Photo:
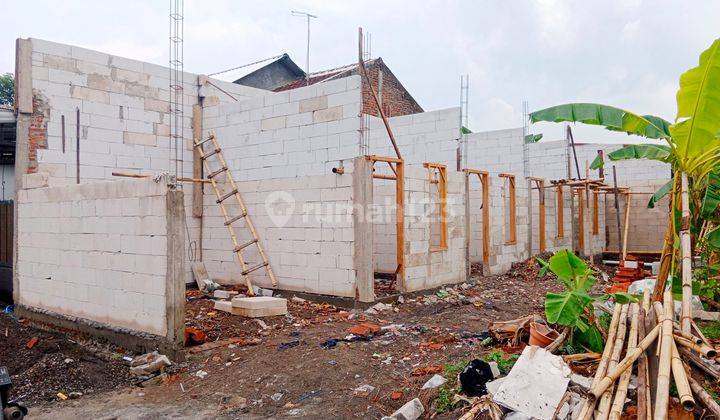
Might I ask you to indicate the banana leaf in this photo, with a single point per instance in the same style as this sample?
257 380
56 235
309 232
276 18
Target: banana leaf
565 308
698 101
659 194
612 118
713 238
636 151
590 339
711 200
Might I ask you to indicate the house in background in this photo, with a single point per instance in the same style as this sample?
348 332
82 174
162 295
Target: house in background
7 153
284 74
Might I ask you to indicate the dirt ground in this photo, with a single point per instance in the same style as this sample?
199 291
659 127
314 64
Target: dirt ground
288 374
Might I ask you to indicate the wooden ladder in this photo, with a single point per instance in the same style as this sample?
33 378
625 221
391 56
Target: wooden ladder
229 220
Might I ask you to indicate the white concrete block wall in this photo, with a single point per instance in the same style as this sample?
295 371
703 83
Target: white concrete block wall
310 249
426 137
96 251
384 224
302 132
499 152
425 269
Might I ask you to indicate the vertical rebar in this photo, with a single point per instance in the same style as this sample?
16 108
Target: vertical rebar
176 85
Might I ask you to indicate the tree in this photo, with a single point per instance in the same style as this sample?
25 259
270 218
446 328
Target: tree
7 89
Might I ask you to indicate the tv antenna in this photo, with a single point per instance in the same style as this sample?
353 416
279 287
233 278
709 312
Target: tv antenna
307 55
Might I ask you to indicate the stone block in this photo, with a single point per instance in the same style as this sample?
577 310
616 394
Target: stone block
314 104
273 123
36 180
329 114
224 294
140 138
259 306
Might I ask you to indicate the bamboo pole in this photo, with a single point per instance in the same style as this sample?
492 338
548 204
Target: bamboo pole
625 226
643 390
676 331
681 380
700 334
686 311
667 250
558 341
706 351
705 399
603 409
630 358
619 401
662 397
700 364
588 407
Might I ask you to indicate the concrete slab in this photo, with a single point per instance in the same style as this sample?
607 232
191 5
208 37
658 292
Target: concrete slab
259 306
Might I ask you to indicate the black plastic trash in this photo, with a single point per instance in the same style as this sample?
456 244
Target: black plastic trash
329 343
474 377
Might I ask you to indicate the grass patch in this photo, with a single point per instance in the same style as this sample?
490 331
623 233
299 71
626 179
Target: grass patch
710 329
504 362
446 393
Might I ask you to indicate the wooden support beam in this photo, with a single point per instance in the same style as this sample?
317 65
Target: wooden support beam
197 191
596 214
581 221
441 171
560 212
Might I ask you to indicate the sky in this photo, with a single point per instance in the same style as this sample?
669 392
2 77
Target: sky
626 53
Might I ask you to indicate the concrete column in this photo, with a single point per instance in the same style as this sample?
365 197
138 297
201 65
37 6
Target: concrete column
363 244
23 101
175 275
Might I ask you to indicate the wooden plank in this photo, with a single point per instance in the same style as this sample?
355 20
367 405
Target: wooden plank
560 212
581 221
596 214
198 189
512 211
400 223
486 220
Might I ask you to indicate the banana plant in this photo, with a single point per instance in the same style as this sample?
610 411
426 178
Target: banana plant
692 142
573 306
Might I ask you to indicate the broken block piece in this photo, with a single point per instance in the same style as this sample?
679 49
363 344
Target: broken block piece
224 294
259 306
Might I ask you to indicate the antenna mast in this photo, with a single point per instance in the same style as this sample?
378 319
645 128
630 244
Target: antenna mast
307 55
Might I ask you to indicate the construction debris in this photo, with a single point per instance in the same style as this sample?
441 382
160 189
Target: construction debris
536 384
412 410
149 363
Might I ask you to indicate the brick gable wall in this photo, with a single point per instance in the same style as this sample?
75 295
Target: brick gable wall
395 100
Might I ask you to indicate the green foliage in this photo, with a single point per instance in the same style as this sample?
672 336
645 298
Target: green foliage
452 370
7 87
660 193
711 200
504 361
465 130
636 151
612 118
698 102
567 308
444 400
590 339
710 329
533 138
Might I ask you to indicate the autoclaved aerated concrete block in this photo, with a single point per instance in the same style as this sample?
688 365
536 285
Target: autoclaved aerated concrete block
259 306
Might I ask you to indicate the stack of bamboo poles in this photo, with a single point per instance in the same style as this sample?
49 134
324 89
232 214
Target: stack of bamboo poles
608 391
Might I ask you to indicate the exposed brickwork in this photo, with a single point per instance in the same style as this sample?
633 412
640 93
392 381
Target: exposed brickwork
37 133
396 100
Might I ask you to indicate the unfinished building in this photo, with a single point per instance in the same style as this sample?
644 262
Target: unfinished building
327 206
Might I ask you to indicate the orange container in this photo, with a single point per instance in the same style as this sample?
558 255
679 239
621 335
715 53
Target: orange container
541 335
